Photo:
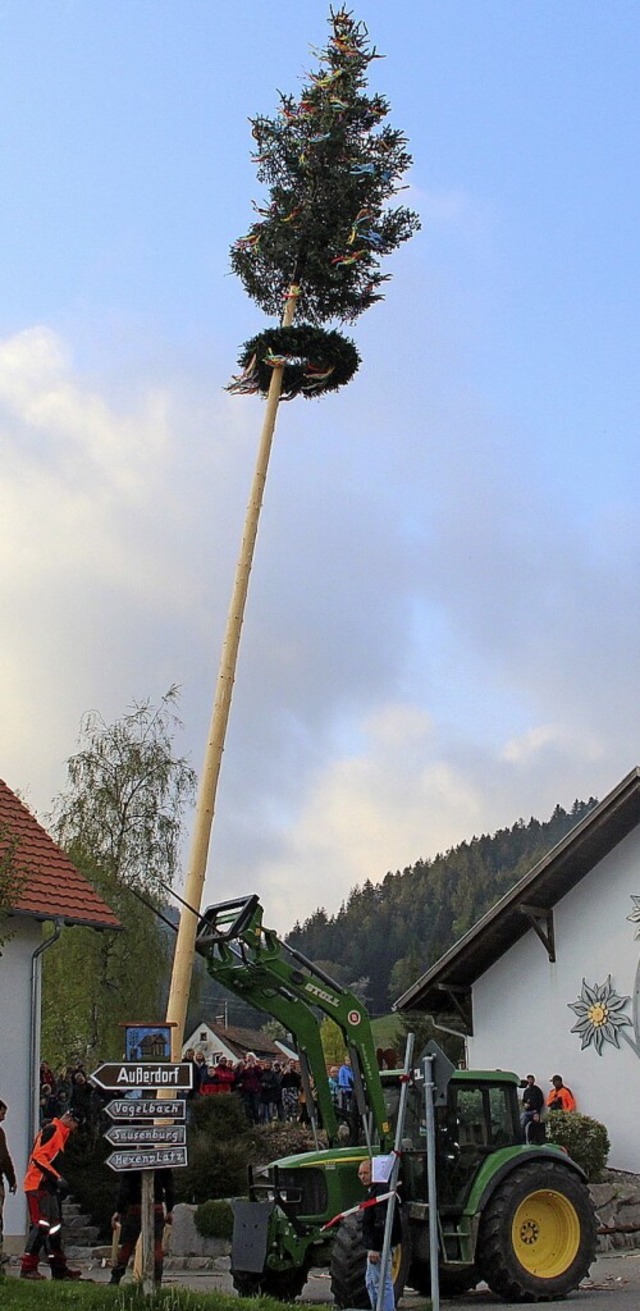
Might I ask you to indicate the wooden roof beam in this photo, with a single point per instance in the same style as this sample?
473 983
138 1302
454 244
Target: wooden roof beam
541 921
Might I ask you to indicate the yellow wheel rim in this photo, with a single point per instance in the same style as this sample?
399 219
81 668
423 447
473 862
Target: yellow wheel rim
546 1234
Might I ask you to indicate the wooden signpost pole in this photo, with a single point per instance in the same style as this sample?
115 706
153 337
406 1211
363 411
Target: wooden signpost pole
147 1232
143 1147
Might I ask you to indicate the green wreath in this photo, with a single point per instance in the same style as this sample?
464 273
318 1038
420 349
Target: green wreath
314 362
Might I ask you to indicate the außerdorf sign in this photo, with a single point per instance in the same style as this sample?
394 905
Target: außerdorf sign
116 1076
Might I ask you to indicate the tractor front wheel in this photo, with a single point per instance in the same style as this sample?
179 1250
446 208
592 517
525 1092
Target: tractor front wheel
537 1234
246 1285
283 1285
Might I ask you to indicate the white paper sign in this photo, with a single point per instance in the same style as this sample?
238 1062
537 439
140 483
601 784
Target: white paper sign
381 1167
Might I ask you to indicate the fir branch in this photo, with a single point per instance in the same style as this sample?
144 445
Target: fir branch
330 167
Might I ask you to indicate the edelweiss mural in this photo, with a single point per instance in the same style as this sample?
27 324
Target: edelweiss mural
599 1020
599 1008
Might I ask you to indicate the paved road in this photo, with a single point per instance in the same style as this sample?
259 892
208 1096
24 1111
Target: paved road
614 1286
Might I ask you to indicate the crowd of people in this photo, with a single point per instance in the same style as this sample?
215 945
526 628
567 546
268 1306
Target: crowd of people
269 1090
69 1089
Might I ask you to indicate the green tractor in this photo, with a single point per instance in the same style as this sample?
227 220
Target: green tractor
518 1216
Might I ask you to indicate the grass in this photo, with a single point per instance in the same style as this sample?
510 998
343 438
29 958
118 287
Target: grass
61 1296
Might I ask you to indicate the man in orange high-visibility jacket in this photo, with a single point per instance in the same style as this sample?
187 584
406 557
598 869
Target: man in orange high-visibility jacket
560 1098
45 1189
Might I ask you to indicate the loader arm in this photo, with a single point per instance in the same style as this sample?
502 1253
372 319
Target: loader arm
252 962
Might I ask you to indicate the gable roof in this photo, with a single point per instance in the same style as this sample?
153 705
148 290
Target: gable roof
241 1041
237 1042
50 886
539 891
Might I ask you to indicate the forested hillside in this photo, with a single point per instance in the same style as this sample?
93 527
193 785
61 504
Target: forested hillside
389 933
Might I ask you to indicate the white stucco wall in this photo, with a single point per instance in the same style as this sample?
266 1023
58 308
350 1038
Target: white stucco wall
15 1008
520 1006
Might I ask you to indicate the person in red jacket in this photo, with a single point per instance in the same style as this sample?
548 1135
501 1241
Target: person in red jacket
225 1076
208 1084
45 1189
560 1098
220 1078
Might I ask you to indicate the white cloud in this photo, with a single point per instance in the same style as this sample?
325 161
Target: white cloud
365 813
548 738
76 475
98 534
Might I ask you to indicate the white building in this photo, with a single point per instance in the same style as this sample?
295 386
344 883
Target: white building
49 889
548 981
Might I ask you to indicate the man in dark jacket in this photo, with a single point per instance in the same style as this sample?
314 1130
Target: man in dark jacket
532 1105
128 1214
373 1225
248 1083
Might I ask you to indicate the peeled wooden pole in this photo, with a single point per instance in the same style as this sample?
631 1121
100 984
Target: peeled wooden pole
207 790
147 1232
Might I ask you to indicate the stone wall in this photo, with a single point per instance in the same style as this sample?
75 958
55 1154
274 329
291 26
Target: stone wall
617 1205
185 1239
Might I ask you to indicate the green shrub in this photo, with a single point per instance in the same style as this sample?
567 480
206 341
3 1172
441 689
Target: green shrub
214 1219
220 1147
586 1140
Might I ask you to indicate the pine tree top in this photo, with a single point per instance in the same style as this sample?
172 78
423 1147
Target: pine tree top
330 166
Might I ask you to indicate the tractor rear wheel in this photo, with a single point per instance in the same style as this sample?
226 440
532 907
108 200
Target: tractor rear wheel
537 1234
349 1262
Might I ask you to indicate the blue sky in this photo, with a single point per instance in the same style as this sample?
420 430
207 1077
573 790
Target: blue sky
443 629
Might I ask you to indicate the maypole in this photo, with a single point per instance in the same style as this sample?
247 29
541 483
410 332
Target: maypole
330 166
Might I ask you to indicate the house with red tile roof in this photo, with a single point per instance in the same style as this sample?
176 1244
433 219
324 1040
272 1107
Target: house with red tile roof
46 889
228 1040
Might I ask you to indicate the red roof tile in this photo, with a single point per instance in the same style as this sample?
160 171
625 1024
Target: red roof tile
52 886
242 1041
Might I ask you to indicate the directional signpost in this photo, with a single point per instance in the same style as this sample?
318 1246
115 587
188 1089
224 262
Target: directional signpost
123 1076
132 1135
145 1108
152 1146
152 1158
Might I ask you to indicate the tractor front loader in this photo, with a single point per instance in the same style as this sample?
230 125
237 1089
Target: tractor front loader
515 1215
